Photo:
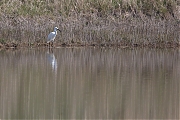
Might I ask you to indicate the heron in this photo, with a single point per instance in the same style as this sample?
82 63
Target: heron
52 35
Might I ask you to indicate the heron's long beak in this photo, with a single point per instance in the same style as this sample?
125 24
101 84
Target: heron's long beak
59 30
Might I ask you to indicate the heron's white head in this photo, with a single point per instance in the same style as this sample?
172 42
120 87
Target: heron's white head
56 28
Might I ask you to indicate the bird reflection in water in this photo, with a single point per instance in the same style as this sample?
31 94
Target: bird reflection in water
52 60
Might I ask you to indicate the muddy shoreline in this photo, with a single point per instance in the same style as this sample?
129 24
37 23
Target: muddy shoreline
104 45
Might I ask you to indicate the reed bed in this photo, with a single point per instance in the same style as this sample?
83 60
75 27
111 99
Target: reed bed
90 22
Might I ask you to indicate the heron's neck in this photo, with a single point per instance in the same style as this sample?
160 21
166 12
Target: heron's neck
55 31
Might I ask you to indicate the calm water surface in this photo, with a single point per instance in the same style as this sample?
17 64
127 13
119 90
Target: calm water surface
90 83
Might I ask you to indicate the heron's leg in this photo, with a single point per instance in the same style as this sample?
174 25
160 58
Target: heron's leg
52 43
49 44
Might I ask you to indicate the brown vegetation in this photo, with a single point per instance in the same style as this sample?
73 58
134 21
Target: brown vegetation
90 22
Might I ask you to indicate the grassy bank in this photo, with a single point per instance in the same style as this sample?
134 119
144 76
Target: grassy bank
90 22
118 8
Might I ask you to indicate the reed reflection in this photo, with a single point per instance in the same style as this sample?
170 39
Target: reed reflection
90 83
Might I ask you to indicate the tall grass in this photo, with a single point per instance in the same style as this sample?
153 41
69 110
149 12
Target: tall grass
156 8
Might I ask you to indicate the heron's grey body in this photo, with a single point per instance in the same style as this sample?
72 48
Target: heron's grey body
52 35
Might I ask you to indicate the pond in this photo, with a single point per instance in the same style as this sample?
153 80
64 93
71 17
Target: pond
89 83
